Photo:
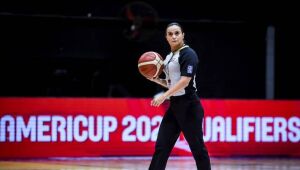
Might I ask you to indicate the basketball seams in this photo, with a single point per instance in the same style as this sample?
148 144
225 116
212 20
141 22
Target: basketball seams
147 63
150 64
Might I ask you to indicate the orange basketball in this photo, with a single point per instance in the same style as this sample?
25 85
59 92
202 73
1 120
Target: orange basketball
150 64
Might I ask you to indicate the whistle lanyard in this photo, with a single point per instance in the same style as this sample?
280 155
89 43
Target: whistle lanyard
167 70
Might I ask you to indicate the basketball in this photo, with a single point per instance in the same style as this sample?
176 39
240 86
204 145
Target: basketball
150 64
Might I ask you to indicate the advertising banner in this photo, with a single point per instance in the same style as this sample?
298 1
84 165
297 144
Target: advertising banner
93 127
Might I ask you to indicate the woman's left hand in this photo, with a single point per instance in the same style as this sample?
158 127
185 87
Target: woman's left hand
157 101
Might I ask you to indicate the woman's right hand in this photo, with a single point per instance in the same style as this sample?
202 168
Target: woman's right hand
159 81
152 79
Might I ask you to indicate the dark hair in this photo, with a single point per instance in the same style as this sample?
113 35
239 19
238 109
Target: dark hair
175 23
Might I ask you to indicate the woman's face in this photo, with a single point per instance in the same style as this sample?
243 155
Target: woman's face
175 36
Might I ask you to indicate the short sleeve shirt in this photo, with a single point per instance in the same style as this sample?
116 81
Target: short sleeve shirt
182 62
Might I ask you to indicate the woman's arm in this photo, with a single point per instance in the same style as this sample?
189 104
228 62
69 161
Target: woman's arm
182 83
160 81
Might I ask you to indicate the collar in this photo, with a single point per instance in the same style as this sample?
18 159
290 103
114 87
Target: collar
184 46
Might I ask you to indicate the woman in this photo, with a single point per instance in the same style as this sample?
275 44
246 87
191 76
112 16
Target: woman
185 113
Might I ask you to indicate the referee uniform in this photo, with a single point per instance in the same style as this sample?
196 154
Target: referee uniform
185 113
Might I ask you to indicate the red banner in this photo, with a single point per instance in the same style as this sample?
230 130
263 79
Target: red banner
77 127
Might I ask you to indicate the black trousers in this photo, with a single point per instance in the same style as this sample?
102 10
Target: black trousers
185 114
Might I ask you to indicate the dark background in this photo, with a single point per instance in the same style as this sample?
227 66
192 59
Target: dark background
87 49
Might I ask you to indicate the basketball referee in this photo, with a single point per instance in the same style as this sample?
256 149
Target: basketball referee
185 113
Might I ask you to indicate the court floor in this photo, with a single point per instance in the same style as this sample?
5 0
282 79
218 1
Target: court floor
141 163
